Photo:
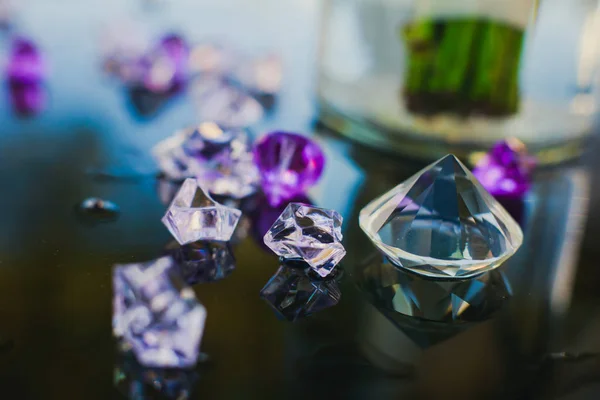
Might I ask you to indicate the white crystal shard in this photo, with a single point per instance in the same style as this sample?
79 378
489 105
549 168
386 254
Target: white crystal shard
442 223
194 215
309 233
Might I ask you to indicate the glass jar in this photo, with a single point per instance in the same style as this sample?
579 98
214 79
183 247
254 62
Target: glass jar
431 77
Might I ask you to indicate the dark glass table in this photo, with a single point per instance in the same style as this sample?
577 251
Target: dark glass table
529 331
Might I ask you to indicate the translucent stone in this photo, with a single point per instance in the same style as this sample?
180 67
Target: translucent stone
442 223
293 294
219 157
156 314
311 234
194 215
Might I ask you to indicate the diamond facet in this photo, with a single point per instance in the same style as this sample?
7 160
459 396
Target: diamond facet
308 233
218 157
203 261
289 164
294 295
194 215
442 223
506 170
156 314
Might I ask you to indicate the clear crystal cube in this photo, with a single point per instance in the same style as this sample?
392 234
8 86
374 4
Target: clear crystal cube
156 314
294 295
193 215
311 234
442 223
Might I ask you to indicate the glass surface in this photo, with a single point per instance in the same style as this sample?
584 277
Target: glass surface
426 78
55 269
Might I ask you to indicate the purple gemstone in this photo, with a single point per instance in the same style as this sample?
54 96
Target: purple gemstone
506 170
289 164
27 99
156 315
166 65
25 64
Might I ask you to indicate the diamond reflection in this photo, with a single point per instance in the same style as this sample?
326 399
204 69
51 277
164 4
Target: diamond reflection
204 261
294 293
140 383
394 291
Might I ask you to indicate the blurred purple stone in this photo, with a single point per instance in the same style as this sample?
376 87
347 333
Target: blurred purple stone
165 67
289 164
25 64
506 170
27 99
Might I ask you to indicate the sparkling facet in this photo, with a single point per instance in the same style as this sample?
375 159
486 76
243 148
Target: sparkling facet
506 170
442 223
194 215
293 294
156 314
229 105
218 157
393 290
308 233
26 64
289 164
203 261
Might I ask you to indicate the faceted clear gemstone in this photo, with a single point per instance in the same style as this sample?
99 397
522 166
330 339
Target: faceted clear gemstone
194 215
156 314
309 233
203 261
294 295
442 223
394 290
506 170
218 157
289 164
223 102
137 382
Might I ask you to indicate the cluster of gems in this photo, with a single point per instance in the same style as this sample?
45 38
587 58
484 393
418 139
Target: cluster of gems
440 223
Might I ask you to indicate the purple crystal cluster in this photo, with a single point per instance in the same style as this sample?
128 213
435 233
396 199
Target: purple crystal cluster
156 315
285 165
506 170
160 69
25 75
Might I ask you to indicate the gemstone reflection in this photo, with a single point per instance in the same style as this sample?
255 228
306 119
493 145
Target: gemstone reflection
202 262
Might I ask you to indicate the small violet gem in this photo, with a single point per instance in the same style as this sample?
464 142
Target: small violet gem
289 164
26 64
506 170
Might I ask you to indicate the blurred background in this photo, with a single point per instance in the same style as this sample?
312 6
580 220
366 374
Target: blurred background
384 87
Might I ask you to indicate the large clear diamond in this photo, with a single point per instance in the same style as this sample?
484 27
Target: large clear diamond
156 314
442 223
194 215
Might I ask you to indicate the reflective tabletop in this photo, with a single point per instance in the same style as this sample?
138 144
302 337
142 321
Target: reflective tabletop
528 329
